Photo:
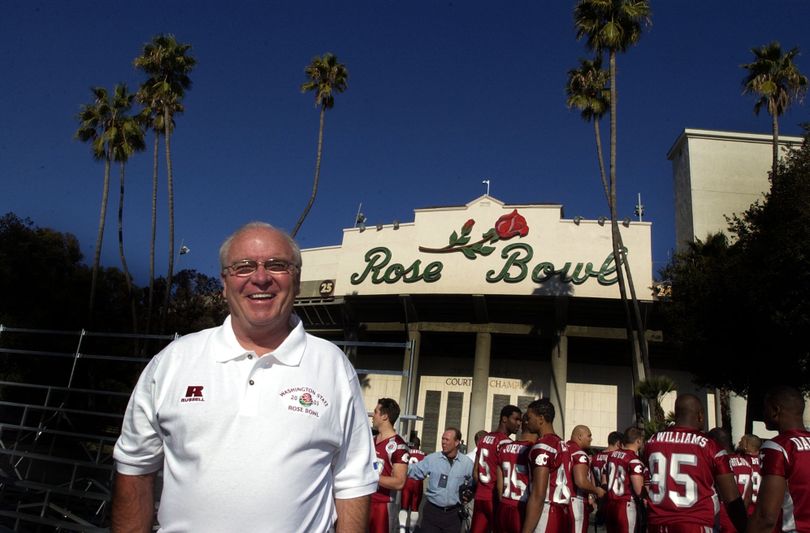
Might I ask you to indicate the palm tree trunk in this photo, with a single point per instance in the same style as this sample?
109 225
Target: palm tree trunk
127 277
154 231
640 327
303 216
618 255
601 159
775 127
105 191
170 187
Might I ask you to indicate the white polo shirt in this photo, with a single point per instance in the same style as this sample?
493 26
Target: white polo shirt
249 443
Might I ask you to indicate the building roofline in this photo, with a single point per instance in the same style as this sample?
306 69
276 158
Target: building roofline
691 133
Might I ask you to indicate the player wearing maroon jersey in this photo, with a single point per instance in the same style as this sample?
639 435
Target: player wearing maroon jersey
412 491
686 466
582 477
483 518
392 463
598 462
785 471
749 447
624 474
513 480
547 510
741 469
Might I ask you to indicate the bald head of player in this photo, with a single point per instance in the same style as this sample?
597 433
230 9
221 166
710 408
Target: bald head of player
750 444
689 411
784 408
582 436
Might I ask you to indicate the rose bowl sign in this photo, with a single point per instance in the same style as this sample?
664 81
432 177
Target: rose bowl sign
517 259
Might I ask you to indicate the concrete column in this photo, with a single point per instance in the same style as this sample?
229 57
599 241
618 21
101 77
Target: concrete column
408 390
737 406
478 398
807 413
718 410
559 378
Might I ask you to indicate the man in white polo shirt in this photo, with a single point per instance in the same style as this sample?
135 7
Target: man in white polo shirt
257 425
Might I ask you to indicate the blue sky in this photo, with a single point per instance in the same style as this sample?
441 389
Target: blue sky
441 96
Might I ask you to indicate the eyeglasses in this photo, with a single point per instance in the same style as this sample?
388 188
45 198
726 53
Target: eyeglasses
247 267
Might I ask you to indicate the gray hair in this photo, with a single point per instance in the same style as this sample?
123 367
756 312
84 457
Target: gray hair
226 245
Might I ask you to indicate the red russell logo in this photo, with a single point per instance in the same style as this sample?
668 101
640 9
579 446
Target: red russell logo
193 394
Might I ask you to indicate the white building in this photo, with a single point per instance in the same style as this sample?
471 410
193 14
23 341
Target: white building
718 174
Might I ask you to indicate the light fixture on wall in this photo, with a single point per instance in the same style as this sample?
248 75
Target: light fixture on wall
577 220
361 226
396 224
601 220
379 227
626 222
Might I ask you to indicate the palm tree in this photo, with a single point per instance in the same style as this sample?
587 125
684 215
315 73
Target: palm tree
325 76
95 126
777 82
653 389
587 90
127 139
614 26
167 64
151 117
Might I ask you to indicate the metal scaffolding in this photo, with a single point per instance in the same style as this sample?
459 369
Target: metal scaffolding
62 400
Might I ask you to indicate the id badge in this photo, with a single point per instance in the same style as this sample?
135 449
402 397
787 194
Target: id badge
443 481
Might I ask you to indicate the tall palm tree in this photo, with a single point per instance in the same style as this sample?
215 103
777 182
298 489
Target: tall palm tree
95 126
775 79
151 117
613 26
128 138
587 90
325 77
167 64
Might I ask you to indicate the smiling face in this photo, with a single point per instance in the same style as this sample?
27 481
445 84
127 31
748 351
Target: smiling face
260 304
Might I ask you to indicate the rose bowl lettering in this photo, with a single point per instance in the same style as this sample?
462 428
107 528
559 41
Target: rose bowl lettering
515 268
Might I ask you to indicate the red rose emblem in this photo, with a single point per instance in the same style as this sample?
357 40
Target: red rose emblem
511 225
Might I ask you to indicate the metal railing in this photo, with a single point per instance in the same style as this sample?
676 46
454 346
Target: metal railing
60 415
62 399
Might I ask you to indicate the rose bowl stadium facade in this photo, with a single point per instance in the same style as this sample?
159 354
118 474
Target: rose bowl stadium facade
472 307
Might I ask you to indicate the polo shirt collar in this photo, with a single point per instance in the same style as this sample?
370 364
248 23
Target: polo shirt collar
288 353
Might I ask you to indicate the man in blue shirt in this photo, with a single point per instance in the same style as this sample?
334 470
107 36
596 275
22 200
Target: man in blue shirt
446 471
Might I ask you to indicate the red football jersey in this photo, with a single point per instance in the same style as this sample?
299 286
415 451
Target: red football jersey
390 451
756 464
513 458
598 462
683 464
578 457
741 469
621 465
487 458
412 491
788 455
550 451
